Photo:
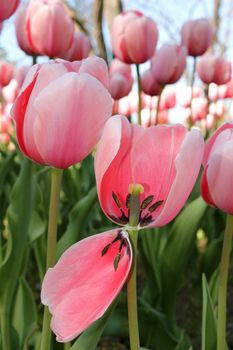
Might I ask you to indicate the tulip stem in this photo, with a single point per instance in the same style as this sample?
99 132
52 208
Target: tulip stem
139 95
56 177
222 288
135 191
34 59
158 105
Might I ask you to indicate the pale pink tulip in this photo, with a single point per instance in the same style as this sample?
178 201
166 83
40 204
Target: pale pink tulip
7 8
120 67
121 80
168 98
226 90
122 106
80 48
50 30
6 73
171 157
21 32
61 110
84 282
10 92
212 69
197 35
216 182
168 63
199 108
20 74
133 37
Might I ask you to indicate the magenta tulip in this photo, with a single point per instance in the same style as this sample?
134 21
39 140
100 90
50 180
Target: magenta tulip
49 28
7 8
197 35
216 182
58 122
80 48
168 63
127 27
171 157
212 69
84 282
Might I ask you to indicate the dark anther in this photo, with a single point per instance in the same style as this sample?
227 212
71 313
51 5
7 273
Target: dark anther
116 261
116 200
104 251
123 218
118 237
147 219
147 201
123 244
154 206
127 201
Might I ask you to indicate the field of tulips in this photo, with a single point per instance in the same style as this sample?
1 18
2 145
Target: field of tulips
116 177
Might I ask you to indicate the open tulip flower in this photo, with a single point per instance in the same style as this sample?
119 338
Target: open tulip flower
164 160
161 164
63 91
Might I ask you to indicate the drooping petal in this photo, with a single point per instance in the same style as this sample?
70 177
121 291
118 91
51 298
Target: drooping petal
84 282
187 162
86 104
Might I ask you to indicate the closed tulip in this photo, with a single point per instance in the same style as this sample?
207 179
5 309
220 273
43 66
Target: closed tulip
21 33
197 36
212 69
6 73
80 48
171 156
149 85
127 27
7 8
216 182
168 63
49 28
121 80
58 121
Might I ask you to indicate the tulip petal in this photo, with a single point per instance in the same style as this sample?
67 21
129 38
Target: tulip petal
220 174
187 164
87 105
84 282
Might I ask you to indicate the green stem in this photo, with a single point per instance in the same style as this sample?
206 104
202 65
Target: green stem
139 95
135 191
34 59
5 330
56 177
222 289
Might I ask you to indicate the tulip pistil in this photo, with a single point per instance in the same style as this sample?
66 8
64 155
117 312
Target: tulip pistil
144 210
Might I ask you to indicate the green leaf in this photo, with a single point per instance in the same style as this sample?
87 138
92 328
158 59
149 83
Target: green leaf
178 251
209 322
24 319
77 221
5 168
89 339
37 227
18 216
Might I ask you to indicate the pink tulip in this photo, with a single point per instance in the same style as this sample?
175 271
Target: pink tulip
10 92
7 8
150 118
133 37
168 64
212 69
20 74
149 85
122 106
199 108
84 282
171 156
168 98
226 90
216 182
21 33
197 35
121 80
49 28
6 73
80 48
58 121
